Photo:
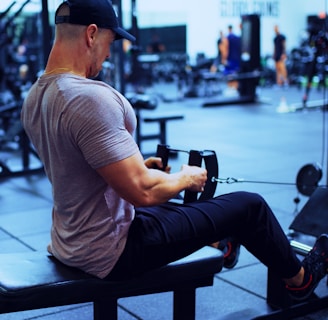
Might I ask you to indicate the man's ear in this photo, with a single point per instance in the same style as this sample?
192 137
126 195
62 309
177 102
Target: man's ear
91 33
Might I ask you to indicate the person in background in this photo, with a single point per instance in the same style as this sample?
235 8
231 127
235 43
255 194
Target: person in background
111 213
155 45
233 52
280 56
222 53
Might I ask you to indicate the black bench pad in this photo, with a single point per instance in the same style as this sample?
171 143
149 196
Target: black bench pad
36 280
163 118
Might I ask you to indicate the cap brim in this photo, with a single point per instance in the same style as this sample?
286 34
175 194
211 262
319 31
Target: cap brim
121 33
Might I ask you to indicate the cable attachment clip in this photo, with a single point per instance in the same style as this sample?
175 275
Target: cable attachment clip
228 180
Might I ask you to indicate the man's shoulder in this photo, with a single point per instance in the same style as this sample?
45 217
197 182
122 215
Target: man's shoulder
84 87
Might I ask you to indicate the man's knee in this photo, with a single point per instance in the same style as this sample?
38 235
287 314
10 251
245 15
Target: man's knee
250 196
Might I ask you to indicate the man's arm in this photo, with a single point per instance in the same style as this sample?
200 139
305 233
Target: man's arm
142 186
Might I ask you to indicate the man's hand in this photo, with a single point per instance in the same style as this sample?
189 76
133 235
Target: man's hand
198 177
156 163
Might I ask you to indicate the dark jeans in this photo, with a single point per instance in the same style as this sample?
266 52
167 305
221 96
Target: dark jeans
162 234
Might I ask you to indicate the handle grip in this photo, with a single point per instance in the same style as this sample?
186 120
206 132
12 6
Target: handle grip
163 152
211 164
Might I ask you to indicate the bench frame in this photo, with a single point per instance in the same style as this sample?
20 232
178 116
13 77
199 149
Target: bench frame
35 280
141 102
161 135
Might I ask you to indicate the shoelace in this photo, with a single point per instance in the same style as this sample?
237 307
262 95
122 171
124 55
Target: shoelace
315 262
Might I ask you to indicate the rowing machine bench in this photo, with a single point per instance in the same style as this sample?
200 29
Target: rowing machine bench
161 120
36 280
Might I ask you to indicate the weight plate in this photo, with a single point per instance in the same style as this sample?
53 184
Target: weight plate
308 178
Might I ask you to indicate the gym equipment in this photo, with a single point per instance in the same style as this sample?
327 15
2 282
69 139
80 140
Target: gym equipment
18 70
26 150
308 177
313 218
10 21
312 221
35 280
144 102
196 158
46 32
13 133
314 52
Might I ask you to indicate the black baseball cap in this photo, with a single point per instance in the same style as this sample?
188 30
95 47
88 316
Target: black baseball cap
99 12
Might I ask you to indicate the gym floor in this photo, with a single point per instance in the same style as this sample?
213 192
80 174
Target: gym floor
265 143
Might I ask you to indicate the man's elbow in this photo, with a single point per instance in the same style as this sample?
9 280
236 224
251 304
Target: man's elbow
144 199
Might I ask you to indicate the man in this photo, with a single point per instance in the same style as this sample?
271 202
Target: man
222 47
279 56
233 52
155 46
110 213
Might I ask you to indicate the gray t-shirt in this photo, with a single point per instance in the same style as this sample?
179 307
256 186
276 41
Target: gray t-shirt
78 125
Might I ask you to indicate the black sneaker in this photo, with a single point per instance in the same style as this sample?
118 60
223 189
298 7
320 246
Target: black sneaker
315 266
231 250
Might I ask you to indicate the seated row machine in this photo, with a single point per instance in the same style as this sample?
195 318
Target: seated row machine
35 280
